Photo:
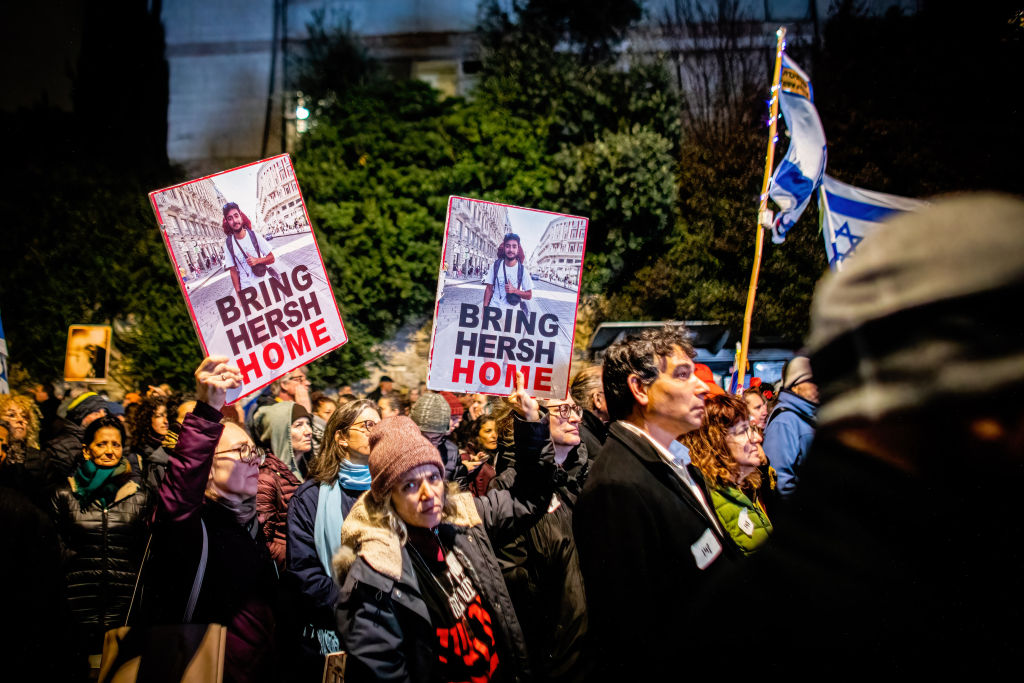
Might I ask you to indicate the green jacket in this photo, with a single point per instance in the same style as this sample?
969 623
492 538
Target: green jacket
730 502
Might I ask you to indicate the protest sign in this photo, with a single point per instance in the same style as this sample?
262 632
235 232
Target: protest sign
87 358
506 299
250 269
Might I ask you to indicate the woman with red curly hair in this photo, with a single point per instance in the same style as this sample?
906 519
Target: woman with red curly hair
725 450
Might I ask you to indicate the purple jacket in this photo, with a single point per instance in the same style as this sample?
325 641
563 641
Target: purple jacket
239 587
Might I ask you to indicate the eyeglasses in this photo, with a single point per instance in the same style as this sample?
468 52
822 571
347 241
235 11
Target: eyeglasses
566 410
750 432
296 378
247 453
367 425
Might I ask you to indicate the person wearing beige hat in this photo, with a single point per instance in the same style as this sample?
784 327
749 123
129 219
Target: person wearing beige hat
899 552
790 427
422 597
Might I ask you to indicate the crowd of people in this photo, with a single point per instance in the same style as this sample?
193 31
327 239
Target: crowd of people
648 525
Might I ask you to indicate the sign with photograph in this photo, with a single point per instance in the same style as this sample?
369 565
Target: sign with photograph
506 299
87 358
250 269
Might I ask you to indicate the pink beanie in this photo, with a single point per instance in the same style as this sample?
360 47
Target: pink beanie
397 446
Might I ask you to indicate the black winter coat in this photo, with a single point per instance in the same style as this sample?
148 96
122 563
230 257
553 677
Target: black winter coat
542 571
382 617
639 531
593 433
103 548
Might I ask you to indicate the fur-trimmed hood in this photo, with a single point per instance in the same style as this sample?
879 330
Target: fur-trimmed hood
379 546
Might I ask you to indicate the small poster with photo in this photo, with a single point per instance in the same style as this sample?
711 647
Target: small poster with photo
87 358
506 299
249 266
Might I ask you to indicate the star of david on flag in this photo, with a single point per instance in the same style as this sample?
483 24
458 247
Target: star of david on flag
850 213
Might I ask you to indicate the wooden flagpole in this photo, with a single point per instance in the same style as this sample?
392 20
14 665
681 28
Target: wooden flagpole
773 122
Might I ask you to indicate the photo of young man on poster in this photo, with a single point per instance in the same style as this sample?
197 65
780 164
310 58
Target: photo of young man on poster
269 309
508 288
507 283
247 255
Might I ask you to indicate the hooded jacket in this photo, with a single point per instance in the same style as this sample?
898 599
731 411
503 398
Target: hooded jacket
787 438
273 430
382 617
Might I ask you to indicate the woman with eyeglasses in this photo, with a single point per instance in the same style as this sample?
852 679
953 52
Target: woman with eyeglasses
208 498
725 450
336 477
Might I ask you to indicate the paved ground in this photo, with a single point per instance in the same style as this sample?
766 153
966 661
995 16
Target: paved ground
289 252
547 298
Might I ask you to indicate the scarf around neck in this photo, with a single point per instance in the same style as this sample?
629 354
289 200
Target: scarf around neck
100 484
354 477
327 540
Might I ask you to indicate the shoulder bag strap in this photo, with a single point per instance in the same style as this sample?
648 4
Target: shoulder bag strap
198 582
255 244
138 578
494 274
520 285
231 250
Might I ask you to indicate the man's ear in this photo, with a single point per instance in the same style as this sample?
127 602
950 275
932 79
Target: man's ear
638 389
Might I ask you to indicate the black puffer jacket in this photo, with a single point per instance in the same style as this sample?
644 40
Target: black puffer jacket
102 551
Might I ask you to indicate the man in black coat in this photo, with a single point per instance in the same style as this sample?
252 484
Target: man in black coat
647 537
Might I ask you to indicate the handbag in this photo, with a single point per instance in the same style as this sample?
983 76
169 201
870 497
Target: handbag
186 652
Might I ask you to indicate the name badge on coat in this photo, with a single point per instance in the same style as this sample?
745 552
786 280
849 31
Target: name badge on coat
706 550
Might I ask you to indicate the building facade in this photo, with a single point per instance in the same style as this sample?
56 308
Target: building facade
559 253
475 231
193 219
278 203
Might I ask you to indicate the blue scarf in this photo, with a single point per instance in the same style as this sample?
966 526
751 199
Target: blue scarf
327 539
354 477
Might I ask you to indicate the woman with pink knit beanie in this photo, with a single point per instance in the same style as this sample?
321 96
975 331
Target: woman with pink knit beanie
422 595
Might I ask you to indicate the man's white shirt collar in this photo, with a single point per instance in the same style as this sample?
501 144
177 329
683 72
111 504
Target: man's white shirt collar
677 456
676 453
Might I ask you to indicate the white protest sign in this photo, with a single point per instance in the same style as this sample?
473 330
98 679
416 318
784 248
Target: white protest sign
250 269
507 299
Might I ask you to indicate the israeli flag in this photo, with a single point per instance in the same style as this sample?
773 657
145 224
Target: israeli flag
5 387
849 213
799 174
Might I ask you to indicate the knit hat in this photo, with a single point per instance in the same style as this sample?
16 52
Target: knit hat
798 371
87 403
704 373
396 446
431 413
453 403
923 310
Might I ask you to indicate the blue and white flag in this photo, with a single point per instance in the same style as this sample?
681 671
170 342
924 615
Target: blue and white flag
799 174
849 213
5 386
